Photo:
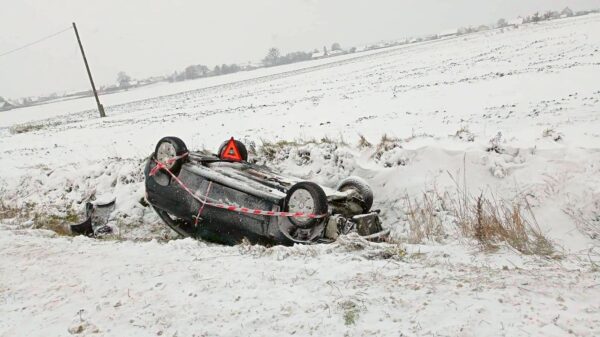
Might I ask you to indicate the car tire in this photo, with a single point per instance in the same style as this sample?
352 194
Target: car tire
293 203
170 147
361 187
240 146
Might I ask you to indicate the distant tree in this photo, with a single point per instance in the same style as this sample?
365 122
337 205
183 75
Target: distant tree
353 50
464 30
536 17
191 72
336 46
234 68
325 51
224 69
216 71
295 57
123 79
549 15
272 57
195 71
202 70
501 23
26 101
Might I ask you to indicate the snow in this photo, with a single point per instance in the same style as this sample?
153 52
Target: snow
448 32
187 288
533 91
516 22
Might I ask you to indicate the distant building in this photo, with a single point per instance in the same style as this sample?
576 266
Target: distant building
252 65
318 55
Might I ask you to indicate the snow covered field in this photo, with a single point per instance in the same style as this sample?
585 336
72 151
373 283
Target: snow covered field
530 95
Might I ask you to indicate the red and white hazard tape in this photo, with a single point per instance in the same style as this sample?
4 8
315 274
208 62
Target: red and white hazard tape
160 165
266 213
232 208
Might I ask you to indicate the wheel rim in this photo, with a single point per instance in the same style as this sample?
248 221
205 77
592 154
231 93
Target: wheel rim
301 201
165 152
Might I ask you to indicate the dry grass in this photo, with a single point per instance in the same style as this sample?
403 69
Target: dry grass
492 221
363 143
269 150
58 224
424 219
553 134
489 221
27 127
589 226
496 144
386 143
7 212
465 134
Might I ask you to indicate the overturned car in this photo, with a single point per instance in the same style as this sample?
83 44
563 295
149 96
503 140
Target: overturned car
224 198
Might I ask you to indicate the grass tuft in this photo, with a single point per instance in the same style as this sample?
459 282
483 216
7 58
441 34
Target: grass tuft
492 221
363 143
424 219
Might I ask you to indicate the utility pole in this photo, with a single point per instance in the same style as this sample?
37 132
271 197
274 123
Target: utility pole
87 67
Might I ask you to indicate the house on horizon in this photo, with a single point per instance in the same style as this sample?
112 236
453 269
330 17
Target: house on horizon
318 55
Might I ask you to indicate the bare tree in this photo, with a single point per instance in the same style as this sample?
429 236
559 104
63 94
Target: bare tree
123 79
272 57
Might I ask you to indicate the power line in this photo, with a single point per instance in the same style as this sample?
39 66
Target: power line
36 41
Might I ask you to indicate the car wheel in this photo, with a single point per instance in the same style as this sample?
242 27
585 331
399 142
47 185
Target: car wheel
168 148
305 197
240 146
361 187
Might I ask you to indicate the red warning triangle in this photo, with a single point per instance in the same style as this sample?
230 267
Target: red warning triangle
231 152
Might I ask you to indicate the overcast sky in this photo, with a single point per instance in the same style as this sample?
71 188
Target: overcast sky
147 37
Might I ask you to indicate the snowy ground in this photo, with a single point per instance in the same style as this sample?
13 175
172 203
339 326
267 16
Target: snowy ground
444 101
186 288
